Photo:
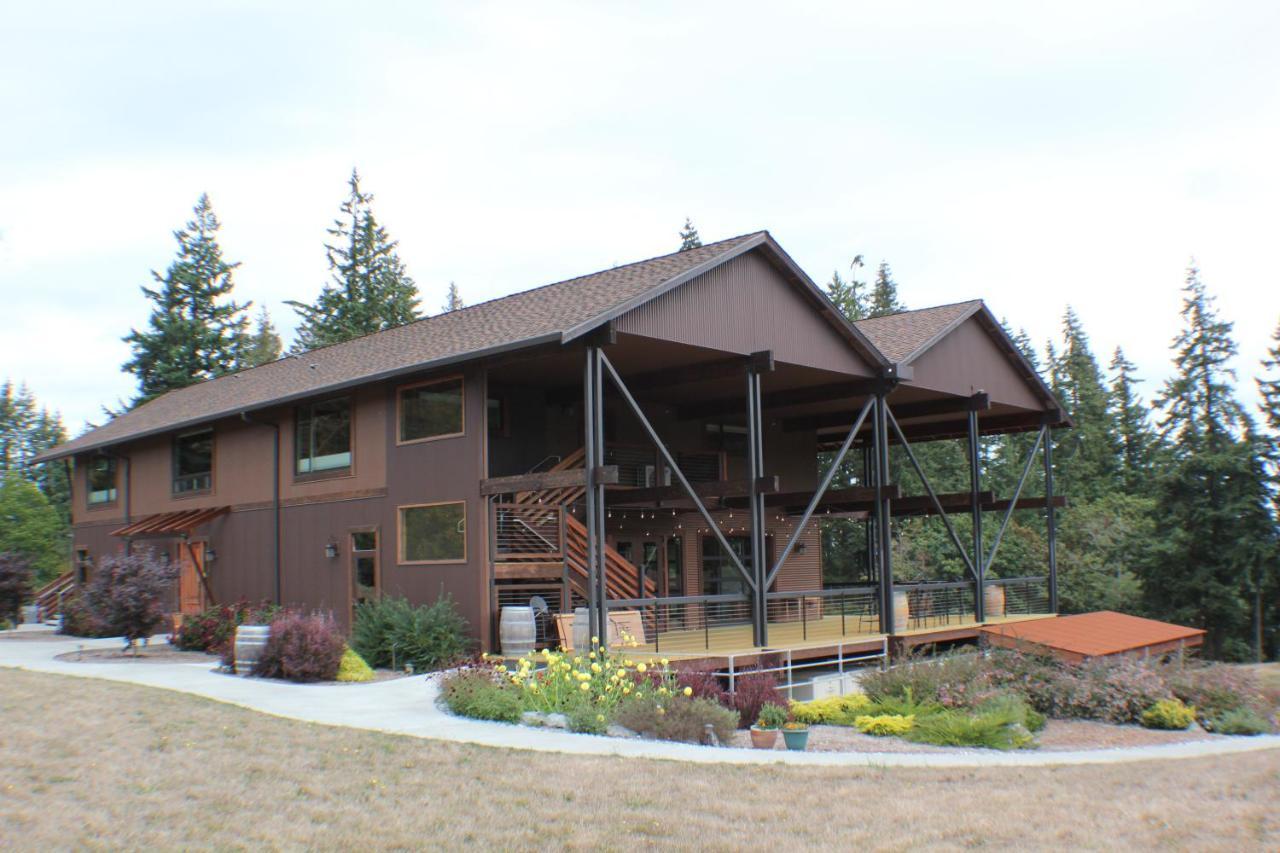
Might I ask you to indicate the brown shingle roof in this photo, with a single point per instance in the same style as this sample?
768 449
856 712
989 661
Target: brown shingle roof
521 319
903 335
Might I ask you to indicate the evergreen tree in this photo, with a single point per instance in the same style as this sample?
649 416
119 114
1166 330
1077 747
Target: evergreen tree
849 296
1133 428
884 294
1085 456
689 238
26 430
264 344
453 301
370 289
17 418
1213 532
1269 390
195 331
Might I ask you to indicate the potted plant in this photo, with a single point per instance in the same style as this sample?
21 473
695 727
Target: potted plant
764 734
796 735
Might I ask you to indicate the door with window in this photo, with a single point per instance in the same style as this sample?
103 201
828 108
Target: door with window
366 577
191 592
721 577
646 553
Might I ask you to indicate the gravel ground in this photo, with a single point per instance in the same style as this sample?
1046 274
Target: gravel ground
1058 736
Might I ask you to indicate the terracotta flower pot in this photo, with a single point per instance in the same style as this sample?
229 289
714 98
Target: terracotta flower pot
763 738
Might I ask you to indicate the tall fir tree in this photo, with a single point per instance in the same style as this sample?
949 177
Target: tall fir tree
884 294
369 290
1269 391
850 295
689 238
196 331
1213 530
264 345
453 300
1086 455
1136 439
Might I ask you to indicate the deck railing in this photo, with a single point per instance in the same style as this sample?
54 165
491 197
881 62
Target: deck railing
527 532
1022 596
934 604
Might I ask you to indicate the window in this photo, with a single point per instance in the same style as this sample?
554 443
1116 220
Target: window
101 480
193 462
433 533
430 410
323 440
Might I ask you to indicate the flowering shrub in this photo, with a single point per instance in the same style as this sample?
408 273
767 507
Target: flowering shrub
882 725
352 668
1111 689
599 679
1169 714
833 711
301 648
955 681
214 629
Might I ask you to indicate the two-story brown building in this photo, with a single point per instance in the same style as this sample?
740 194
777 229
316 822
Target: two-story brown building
487 452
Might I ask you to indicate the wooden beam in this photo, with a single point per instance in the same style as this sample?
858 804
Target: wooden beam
670 377
934 431
778 399
863 497
926 408
605 474
714 489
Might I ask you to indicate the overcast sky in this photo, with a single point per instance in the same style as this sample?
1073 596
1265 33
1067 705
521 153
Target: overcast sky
1078 156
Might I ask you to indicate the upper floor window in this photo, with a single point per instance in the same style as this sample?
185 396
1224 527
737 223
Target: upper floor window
101 480
323 441
430 410
193 462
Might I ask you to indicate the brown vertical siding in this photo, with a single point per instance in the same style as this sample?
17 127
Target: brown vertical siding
966 361
745 306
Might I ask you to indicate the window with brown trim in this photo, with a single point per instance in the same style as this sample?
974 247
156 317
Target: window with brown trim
101 480
433 533
430 410
193 462
322 440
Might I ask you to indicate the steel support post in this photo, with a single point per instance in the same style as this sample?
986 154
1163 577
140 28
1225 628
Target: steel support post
591 463
884 547
1051 520
975 487
755 468
868 526
597 494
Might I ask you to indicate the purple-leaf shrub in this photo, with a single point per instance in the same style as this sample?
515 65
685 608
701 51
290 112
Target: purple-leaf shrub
15 586
126 594
301 648
705 684
752 690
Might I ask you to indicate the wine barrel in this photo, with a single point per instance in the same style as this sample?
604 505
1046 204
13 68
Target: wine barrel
249 643
901 609
517 630
992 600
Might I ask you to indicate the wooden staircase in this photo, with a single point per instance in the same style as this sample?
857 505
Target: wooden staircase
622 577
563 496
48 598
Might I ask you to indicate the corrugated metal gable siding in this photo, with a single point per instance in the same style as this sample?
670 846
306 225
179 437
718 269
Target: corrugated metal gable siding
745 306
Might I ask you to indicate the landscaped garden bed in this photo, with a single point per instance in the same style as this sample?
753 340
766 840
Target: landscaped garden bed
1001 700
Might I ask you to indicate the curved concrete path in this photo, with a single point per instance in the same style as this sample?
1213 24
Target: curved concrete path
407 706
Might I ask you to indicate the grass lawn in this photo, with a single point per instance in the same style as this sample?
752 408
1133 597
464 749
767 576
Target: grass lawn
87 763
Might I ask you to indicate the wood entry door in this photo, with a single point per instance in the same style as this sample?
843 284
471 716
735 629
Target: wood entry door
191 591
366 573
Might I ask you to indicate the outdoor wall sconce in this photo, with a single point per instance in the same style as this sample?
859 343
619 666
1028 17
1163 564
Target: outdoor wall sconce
331 550
801 548
210 555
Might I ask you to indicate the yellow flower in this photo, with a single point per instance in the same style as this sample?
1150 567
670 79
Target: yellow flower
585 686
626 689
664 662
641 668
661 710
688 691
599 718
595 667
595 641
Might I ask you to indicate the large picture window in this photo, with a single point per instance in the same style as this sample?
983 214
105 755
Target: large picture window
101 480
323 440
193 462
430 410
433 533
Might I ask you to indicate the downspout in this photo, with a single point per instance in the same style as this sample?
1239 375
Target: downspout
275 495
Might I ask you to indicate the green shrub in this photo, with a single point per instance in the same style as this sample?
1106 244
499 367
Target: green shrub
1169 714
953 680
903 706
1241 721
213 630
586 719
480 693
391 633
678 718
1110 689
1217 689
353 669
998 727
771 716
884 725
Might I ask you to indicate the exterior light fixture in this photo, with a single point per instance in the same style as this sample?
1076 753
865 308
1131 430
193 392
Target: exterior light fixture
331 550
210 555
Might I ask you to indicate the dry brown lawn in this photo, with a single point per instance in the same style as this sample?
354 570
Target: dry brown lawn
91 764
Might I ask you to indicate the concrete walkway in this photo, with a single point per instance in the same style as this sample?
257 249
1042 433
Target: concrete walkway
407 706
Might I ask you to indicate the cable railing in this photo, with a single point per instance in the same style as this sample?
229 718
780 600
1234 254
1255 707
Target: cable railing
932 604
1016 596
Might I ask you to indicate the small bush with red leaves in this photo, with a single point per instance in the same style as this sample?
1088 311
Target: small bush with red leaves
15 586
752 690
77 619
126 595
705 684
301 648
214 629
